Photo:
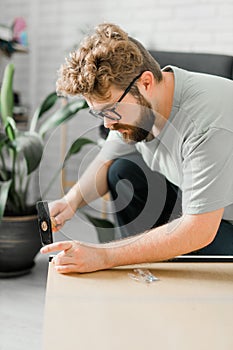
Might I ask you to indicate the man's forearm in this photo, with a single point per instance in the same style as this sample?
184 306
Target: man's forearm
157 244
91 185
184 235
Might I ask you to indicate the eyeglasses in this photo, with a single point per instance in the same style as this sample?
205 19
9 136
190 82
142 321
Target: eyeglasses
111 113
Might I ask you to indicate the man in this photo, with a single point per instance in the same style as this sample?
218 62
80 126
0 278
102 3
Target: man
181 123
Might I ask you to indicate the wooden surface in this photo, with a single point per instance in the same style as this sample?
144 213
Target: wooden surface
190 307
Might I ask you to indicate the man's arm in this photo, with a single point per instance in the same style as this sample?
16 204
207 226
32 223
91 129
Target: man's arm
91 185
183 235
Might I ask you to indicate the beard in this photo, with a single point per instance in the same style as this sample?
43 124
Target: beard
143 126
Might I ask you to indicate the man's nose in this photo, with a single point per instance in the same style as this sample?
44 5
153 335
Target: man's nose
109 122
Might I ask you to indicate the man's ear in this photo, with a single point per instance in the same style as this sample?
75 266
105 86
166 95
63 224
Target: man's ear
146 83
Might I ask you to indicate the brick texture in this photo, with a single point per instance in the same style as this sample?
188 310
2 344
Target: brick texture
55 27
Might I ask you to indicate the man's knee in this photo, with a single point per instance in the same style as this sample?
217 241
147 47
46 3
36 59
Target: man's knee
125 169
113 175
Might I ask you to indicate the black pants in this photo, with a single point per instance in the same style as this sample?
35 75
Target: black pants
144 199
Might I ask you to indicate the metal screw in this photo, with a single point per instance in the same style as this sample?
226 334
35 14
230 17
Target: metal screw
44 226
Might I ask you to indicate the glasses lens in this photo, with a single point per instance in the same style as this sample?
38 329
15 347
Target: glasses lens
110 114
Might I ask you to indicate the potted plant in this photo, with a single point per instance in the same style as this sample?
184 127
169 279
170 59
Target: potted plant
20 156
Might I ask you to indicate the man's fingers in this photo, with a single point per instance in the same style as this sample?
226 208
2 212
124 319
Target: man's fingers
54 223
56 227
59 220
63 258
57 213
66 268
56 246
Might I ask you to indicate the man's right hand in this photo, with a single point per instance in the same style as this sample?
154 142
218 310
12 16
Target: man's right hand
61 211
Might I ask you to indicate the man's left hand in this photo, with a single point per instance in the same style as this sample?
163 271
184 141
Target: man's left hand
76 256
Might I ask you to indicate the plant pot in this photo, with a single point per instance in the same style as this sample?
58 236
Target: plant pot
19 244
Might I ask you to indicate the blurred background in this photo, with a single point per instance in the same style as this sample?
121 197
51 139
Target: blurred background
54 28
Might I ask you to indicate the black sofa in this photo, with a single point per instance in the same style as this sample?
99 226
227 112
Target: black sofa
221 65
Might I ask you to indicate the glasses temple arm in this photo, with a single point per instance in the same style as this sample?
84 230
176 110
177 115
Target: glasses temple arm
129 87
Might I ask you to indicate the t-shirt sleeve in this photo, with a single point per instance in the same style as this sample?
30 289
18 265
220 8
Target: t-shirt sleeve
115 147
207 183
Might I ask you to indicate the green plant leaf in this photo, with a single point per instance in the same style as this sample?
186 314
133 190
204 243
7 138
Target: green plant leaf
4 189
3 140
48 103
31 145
76 147
3 169
7 97
62 115
4 175
105 228
10 128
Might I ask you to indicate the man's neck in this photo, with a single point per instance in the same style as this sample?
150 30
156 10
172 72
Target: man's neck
167 94
164 100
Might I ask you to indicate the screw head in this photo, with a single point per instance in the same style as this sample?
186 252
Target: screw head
44 226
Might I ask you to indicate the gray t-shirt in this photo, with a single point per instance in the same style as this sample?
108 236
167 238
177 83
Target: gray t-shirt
195 148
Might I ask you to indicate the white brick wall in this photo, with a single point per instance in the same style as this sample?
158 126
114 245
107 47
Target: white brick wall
54 27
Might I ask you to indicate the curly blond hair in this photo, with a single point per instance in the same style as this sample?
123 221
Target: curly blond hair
107 57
